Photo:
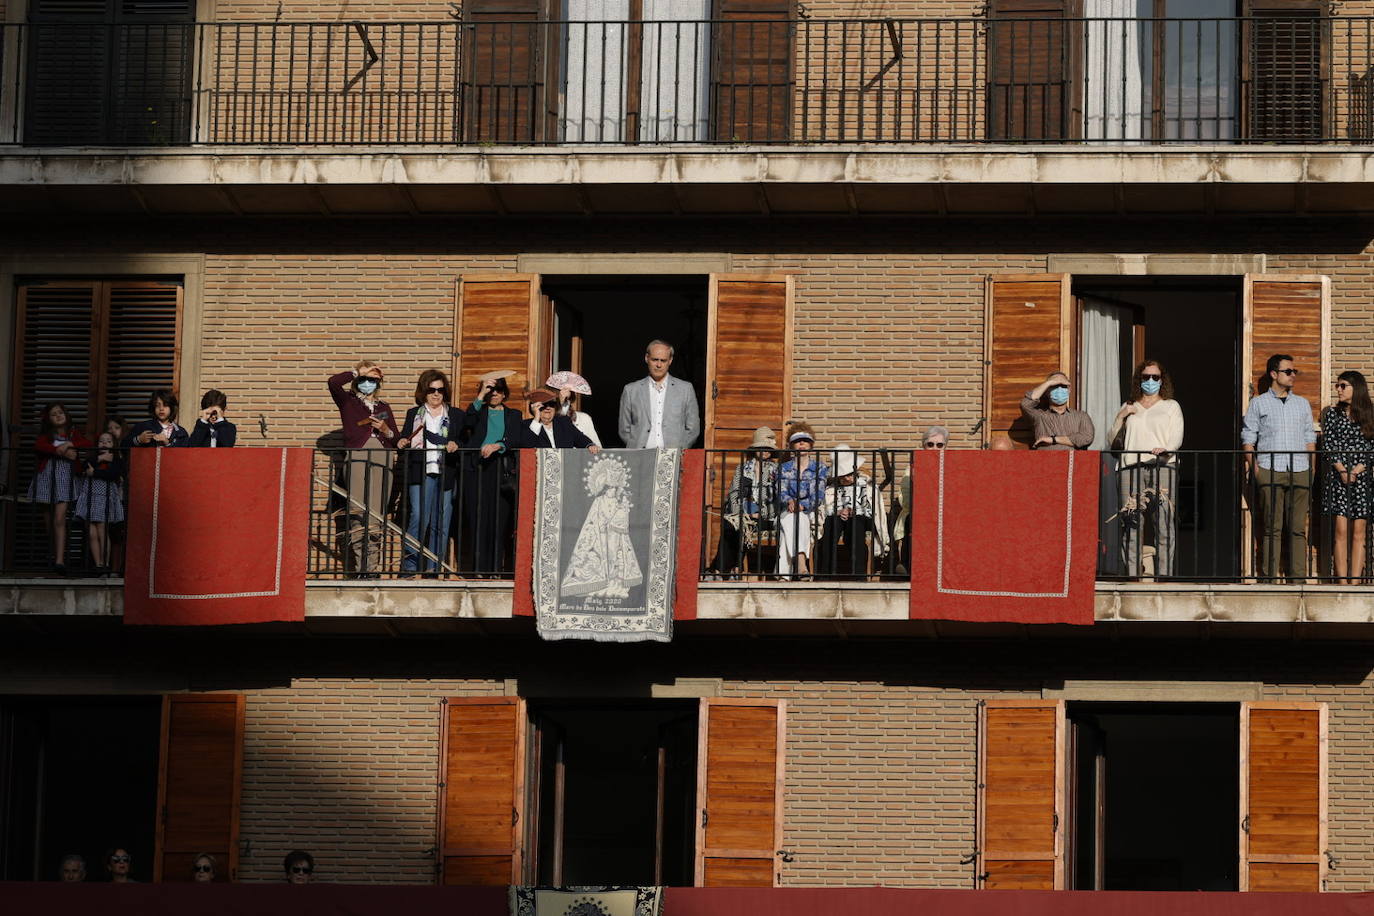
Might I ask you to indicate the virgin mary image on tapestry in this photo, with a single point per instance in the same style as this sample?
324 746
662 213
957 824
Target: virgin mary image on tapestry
605 544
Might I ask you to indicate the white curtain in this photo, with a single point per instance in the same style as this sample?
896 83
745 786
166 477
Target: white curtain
1104 327
674 75
1116 79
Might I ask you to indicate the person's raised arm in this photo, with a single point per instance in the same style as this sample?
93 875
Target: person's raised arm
1083 432
338 386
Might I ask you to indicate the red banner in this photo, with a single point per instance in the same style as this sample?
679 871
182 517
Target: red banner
1007 537
217 536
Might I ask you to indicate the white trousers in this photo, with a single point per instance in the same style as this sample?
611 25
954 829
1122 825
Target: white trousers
794 538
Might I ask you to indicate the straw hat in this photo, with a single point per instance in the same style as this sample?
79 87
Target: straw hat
764 438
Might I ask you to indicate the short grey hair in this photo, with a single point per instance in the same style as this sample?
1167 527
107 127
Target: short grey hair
933 432
79 860
659 343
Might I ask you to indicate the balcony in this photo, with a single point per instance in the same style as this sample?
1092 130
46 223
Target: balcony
859 587
766 81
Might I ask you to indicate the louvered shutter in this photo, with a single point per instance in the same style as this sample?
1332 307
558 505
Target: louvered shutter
751 70
68 80
1288 315
199 785
142 346
739 792
482 790
1286 69
1030 69
1021 795
749 361
1283 797
503 71
152 74
503 323
1028 330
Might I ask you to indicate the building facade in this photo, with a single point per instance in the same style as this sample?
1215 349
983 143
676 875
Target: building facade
874 219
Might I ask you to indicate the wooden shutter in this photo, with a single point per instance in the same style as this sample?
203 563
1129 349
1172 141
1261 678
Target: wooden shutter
1283 796
1028 333
503 323
749 357
1286 69
504 71
739 792
1288 315
1031 69
142 342
482 790
751 70
200 775
1021 795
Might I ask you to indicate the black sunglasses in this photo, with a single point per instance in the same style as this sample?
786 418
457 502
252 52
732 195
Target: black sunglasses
204 868
301 869
934 445
1289 371
119 858
1150 377
440 389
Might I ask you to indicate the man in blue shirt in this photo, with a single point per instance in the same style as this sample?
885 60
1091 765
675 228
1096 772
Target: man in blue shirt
1279 438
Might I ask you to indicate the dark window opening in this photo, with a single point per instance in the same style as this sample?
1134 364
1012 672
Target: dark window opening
77 775
612 793
1154 796
602 324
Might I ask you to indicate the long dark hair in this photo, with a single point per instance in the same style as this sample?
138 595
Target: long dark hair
45 419
1166 384
1360 410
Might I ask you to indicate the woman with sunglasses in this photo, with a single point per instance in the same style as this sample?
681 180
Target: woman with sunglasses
1149 430
1347 492
203 868
299 866
430 434
118 863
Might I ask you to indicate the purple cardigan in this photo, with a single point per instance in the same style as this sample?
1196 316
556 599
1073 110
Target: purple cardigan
352 409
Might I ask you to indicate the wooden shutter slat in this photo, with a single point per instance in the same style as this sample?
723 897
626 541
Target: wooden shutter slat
199 785
1288 315
751 70
502 323
739 792
481 809
1283 796
1021 794
1028 330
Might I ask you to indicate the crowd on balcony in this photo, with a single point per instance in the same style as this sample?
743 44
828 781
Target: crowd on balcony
442 478
298 867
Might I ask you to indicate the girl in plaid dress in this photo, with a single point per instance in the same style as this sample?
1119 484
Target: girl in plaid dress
100 504
56 481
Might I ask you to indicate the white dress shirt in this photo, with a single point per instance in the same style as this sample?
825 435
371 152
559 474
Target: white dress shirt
658 393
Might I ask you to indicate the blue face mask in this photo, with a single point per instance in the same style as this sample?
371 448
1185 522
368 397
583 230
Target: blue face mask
367 385
1059 396
1150 385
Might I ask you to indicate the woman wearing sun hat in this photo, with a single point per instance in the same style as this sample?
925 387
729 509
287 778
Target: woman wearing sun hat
801 492
491 430
853 510
751 505
567 384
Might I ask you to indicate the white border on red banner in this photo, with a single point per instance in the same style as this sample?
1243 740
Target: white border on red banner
281 538
940 545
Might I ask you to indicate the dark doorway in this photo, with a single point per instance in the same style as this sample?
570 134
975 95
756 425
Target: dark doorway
613 793
77 775
602 323
1155 796
1192 325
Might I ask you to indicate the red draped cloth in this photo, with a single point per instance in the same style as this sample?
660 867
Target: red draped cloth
217 536
1008 537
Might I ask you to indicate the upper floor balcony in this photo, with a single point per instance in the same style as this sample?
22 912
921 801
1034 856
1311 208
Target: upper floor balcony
505 75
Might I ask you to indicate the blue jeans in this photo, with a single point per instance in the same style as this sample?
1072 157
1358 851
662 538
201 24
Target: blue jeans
431 510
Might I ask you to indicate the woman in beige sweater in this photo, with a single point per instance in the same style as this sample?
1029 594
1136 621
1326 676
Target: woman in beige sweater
1149 431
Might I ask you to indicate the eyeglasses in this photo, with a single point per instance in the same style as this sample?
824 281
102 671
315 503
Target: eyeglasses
1342 385
1150 377
438 389
934 445
119 858
1288 371
203 868
301 869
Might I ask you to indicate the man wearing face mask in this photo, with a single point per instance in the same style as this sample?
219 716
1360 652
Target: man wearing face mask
1056 425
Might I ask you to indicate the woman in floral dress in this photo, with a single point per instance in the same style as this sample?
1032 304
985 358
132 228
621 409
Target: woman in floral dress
1347 490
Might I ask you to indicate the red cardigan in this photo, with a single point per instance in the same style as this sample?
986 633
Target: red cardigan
47 449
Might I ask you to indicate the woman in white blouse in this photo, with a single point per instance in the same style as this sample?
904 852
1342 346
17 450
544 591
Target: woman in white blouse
1149 431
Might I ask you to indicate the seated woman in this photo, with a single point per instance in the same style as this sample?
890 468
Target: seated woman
431 433
801 491
751 505
491 430
853 510
548 429
161 427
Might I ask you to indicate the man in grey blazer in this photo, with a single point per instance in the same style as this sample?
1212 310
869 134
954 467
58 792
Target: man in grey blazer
659 411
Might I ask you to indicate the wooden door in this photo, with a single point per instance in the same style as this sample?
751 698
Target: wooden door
482 791
1028 333
503 322
1021 795
751 70
1031 69
1292 315
505 70
1283 775
742 746
200 776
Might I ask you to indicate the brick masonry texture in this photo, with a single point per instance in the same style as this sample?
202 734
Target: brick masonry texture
342 735
878 303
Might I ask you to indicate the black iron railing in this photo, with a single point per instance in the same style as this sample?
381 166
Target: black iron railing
1265 79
